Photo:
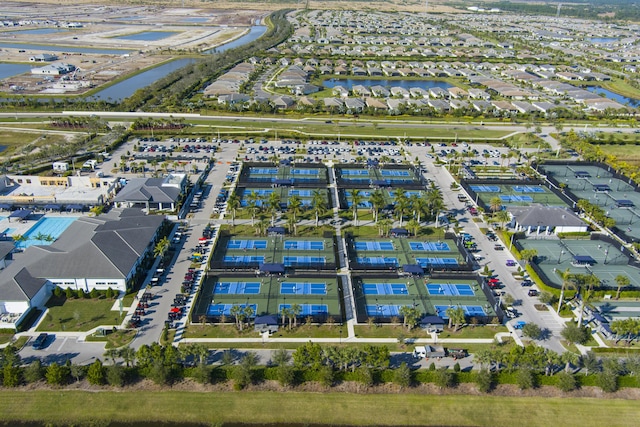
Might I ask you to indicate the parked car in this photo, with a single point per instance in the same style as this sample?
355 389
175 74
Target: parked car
533 293
511 263
40 341
519 324
498 247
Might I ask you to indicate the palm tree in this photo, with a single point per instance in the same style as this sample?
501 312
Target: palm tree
377 203
284 312
456 316
233 203
295 206
385 225
502 217
127 354
236 311
414 226
273 204
621 281
417 205
401 205
436 207
295 311
495 204
253 200
356 199
318 204
568 280
292 225
161 247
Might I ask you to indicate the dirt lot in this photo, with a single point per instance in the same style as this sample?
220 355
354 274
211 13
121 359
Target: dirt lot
165 33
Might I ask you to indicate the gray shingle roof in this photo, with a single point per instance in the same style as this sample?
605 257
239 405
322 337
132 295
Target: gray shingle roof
532 216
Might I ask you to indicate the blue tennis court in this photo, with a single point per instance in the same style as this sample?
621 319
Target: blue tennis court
312 172
301 193
377 260
307 309
485 188
383 310
394 172
436 262
374 246
293 288
355 172
247 244
429 246
246 259
259 192
408 193
365 204
237 288
449 289
469 310
384 289
362 193
514 198
527 189
292 261
220 309
263 171
304 245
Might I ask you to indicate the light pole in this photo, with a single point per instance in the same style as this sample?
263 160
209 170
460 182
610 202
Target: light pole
606 252
560 256
340 335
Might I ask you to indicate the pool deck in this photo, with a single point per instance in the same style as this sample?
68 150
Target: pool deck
20 227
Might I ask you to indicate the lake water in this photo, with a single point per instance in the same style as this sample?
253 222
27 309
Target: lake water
48 48
405 84
41 31
9 70
254 33
603 39
614 96
196 19
148 36
127 87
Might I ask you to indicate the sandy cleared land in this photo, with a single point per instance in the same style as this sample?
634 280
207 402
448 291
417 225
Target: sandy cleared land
43 30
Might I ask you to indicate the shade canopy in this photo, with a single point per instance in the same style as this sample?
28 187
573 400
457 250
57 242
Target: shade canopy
51 207
276 230
266 320
272 268
21 213
584 259
412 269
74 207
399 232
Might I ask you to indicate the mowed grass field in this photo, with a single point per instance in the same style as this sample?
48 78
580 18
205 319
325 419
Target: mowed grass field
629 153
213 408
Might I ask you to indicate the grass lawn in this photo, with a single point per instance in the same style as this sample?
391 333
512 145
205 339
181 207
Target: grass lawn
629 152
79 314
474 332
230 331
116 339
302 408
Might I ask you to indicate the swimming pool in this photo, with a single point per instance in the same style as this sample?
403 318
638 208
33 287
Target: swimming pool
45 231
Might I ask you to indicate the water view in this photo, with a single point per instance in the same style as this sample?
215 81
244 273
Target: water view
41 31
614 96
254 33
127 87
405 84
50 48
9 70
603 39
148 36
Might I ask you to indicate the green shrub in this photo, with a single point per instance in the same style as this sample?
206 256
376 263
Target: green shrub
11 375
566 381
607 380
94 293
484 380
58 292
109 293
432 366
443 378
525 378
57 374
80 294
115 376
456 367
402 375
34 372
69 293
96 373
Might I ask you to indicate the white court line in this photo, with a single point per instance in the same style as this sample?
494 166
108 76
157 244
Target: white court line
63 343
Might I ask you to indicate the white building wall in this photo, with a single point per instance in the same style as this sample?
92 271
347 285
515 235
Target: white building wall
571 229
14 306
